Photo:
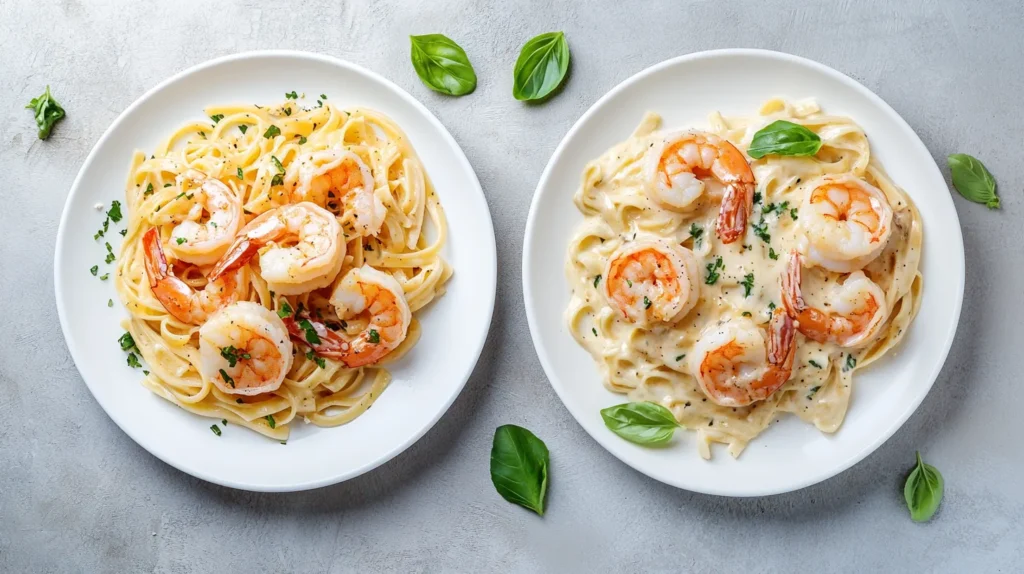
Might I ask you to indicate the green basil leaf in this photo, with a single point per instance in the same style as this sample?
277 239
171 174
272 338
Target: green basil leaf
519 467
784 138
47 112
442 64
923 491
541 66
642 423
972 180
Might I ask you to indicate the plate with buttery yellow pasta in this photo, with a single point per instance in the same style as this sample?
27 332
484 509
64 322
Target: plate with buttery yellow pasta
761 276
269 303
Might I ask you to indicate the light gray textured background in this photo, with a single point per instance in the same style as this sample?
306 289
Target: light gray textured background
77 495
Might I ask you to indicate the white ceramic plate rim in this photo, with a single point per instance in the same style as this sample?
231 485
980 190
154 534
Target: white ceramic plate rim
487 270
614 444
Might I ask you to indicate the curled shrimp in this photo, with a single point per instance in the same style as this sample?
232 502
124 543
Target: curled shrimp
845 222
733 366
363 292
856 307
652 281
341 181
244 349
300 247
675 168
211 224
186 304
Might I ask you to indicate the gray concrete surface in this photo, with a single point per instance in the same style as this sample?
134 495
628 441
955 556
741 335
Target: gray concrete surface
77 495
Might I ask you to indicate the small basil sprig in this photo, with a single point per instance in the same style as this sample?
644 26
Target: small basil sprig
519 467
923 491
643 423
541 66
784 138
442 64
47 112
972 180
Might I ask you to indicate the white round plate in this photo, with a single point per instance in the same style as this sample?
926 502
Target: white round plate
790 454
426 381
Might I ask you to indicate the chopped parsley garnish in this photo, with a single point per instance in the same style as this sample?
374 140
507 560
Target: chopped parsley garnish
772 254
768 208
202 135
149 189
285 310
288 111
850 362
110 302
47 112
713 269
696 232
227 378
320 362
144 372
224 422
374 336
278 179
291 95
680 357
594 331
233 355
94 270
105 276
302 140
243 128
271 132
761 230
757 197
792 213
123 232
647 302
271 421
748 284
311 337
179 196
811 392
215 429
168 184
771 306
115 209
747 314
127 342
597 279
628 282
217 118
814 363
277 164
179 240
240 174
323 97
133 361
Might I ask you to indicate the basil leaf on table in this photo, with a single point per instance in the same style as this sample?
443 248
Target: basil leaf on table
519 467
541 66
47 112
643 423
784 138
923 491
972 180
442 64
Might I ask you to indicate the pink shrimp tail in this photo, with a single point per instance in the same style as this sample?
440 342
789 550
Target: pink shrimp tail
792 298
156 263
781 333
733 214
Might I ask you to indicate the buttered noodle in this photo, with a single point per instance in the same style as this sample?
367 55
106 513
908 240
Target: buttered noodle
650 363
254 151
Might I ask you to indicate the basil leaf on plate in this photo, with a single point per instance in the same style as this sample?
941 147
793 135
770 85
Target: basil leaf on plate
972 180
784 138
923 491
519 467
541 66
47 112
643 423
442 64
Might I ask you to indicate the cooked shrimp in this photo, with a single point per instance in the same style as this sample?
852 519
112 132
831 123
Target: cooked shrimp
335 176
211 224
363 291
675 169
856 307
181 300
300 248
244 349
734 368
845 222
652 281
